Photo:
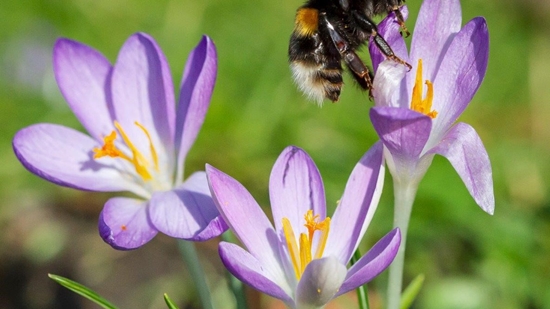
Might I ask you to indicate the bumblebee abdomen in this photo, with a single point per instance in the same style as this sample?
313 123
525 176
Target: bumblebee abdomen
316 81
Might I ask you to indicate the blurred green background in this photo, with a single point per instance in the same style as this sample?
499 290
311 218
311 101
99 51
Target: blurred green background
470 259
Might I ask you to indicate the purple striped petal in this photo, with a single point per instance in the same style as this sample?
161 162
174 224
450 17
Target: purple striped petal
357 206
124 224
247 220
143 91
83 76
462 146
196 89
438 21
389 29
373 263
64 156
320 282
460 75
295 186
187 212
251 271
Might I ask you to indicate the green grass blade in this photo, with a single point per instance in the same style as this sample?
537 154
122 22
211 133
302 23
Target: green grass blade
169 302
411 292
82 290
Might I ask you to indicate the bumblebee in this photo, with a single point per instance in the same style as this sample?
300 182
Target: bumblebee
329 31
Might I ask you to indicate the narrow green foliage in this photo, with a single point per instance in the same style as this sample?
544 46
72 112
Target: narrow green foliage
83 291
362 293
411 292
169 302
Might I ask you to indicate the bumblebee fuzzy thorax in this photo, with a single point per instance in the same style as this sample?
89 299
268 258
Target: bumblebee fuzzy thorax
327 32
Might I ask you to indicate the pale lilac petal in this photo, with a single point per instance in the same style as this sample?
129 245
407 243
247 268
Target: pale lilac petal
388 78
124 224
464 149
373 263
251 271
320 282
195 93
64 156
187 212
461 74
403 131
438 21
389 29
357 205
295 186
143 91
84 76
247 220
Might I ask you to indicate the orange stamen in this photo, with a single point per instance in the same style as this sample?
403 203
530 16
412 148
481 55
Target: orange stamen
418 104
301 255
138 160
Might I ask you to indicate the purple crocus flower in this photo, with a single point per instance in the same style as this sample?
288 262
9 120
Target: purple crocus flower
137 139
415 122
302 260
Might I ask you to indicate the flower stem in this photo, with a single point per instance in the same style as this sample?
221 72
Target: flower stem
404 194
236 286
189 254
362 293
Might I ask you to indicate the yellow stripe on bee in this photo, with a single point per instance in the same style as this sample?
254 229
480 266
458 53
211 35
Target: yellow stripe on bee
307 21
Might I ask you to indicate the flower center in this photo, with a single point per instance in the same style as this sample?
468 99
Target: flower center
137 159
300 254
418 104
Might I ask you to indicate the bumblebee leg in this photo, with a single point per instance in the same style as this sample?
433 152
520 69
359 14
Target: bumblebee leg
401 21
369 26
359 70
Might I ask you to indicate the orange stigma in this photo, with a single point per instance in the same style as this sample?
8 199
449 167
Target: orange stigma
138 160
418 104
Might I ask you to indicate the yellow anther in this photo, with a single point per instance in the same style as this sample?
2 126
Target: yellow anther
418 104
305 251
301 255
293 250
151 146
138 160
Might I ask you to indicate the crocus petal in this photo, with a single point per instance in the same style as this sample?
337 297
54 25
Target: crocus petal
64 156
438 21
403 131
460 75
187 212
83 76
249 270
464 149
295 186
143 91
357 206
196 89
373 263
389 29
319 283
388 78
247 220
124 224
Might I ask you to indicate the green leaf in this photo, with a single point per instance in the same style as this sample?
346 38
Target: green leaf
82 290
411 292
169 302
